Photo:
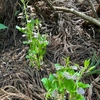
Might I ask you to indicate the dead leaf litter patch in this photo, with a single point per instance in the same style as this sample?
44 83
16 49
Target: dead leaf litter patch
67 36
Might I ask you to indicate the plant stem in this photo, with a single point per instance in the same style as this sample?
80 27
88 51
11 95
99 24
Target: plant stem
26 16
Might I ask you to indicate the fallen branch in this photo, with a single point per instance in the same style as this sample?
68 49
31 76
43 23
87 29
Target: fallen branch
82 15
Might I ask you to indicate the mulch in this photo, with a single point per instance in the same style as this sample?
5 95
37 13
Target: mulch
67 38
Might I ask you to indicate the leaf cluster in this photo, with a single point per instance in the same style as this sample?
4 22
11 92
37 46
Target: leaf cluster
37 42
66 80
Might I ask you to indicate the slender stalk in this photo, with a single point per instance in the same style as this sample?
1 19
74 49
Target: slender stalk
82 15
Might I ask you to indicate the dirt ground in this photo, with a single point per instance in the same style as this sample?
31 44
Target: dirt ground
68 36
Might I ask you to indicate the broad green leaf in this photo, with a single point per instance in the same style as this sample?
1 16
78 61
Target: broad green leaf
46 83
80 84
54 85
2 26
69 85
51 77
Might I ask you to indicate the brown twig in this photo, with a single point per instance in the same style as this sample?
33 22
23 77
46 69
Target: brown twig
82 15
12 92
49 4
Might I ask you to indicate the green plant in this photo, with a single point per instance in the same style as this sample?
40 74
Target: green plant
37 42
2 26
66 80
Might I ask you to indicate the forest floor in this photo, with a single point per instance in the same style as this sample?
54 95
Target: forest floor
68 36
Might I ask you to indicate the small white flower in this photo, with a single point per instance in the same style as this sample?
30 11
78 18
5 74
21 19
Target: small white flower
43 35
23 28
41 63
36 27
35 34
40 25
23 35
80 91
28 21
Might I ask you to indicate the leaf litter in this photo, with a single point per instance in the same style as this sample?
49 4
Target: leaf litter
67 38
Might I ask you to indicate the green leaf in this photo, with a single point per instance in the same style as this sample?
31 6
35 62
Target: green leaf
20 29
17 27
86 63
49 83
2 26
27 56
80 97
25 42
67 61
91 68
16 13
58 66
46 83
69 85
37 22
80 84
51 77
54 85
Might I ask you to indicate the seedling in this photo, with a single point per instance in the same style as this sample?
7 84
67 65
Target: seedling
67 79
37 42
